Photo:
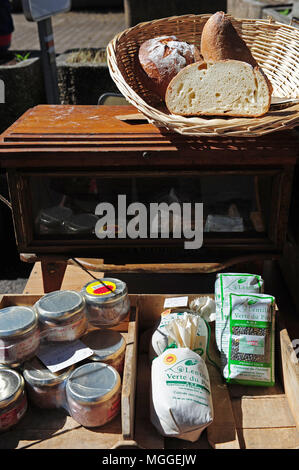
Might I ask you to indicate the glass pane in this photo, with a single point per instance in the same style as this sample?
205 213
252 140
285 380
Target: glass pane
237 204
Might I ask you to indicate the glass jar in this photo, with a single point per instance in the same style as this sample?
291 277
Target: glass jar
62 315
19 334
93 393
13 400
46 389
107 302
109 346
81 224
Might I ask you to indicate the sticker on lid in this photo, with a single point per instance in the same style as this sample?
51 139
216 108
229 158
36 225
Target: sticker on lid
97 288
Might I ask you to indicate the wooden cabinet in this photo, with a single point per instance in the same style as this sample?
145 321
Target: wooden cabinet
62 161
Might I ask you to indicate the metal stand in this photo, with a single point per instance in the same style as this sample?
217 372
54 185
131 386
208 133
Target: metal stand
46 39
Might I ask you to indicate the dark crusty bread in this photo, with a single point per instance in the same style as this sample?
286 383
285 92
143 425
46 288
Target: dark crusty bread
161 58
221 41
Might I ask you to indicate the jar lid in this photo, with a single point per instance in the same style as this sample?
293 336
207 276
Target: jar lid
55 215
106 344
16 320
96 292
35 373
93 382
59 305
11 385
81 223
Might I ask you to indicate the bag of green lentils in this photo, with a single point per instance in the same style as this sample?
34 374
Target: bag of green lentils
248 354
225 284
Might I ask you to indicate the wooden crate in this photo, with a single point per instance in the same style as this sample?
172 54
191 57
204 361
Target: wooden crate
55 429
244 417
252 8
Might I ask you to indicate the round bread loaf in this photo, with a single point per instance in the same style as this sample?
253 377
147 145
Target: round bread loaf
161 58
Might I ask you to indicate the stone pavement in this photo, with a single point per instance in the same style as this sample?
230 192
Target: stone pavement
72 30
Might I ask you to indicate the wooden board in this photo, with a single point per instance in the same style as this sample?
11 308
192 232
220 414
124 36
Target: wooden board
93 136
74 279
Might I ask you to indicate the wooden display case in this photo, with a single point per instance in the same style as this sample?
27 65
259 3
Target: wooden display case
71 158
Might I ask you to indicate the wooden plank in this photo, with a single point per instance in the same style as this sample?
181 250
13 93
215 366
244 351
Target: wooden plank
263 412
146 435
271 438
115 157
129 377
222 433
179 267
290 368
74 279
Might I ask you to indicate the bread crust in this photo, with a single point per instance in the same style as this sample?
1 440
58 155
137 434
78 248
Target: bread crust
220 41
161 58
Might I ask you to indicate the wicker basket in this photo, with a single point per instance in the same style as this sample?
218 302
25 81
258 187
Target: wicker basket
274 45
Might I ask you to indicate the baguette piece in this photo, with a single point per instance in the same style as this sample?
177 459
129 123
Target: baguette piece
220 41
225 88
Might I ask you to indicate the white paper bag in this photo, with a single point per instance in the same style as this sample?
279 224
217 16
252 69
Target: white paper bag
181 401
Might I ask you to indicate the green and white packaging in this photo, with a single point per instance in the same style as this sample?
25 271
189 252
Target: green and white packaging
224 285
248 354
181 401
160 340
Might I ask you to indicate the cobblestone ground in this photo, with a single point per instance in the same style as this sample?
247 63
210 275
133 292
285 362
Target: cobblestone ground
72 30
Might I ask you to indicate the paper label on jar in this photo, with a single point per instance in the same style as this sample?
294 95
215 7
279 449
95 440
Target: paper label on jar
68 332
97 288
11 417
14 352
59 356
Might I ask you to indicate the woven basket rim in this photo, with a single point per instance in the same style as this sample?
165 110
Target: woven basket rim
200 125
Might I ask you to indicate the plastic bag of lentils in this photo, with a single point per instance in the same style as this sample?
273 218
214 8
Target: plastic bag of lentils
248 355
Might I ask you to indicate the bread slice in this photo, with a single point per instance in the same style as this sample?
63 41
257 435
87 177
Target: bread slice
221 41
225 88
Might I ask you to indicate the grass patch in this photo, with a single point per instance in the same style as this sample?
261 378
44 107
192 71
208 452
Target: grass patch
88 56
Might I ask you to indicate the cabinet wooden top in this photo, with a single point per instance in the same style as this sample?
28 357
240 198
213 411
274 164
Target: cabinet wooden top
73 134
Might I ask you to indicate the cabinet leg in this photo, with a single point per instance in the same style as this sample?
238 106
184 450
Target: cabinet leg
53 274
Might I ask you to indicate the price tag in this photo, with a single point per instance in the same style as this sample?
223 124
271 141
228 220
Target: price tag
172 302
59 356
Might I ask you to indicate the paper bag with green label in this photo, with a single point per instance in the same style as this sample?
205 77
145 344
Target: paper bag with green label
248 354
226 283
181 401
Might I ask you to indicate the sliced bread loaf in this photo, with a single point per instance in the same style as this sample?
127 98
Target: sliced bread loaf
225 88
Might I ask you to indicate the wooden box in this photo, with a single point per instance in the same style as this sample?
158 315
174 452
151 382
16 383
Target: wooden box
55 429
245 417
